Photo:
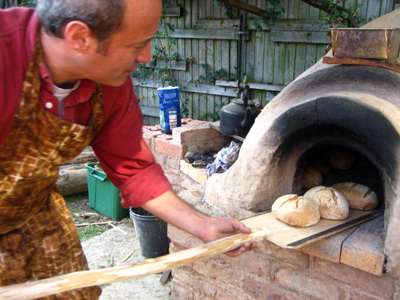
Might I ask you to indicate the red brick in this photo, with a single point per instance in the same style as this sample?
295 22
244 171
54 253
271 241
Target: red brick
181 291
219 270
250 262
263 290
152 134
165 137
294 257
168 147
366 282
183 238
299 282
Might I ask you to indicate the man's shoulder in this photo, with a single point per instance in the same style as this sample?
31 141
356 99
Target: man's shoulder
17 18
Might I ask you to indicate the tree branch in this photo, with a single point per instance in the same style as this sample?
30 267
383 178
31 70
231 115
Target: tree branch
247 7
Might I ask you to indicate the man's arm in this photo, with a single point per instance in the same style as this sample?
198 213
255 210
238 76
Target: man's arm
178 213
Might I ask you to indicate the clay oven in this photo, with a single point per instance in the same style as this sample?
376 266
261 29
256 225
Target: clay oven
353 107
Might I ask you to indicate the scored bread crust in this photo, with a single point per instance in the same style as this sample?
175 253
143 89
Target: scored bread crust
296 210
359 197
333 205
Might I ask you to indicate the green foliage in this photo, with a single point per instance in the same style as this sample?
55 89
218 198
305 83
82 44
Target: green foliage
228 9
29 3
336 17
163 56
211 75
87 232
212 116
185 108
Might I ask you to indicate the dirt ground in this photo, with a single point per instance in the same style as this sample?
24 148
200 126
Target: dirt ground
116 246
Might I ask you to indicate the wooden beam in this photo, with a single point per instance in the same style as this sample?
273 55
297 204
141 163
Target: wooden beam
247 7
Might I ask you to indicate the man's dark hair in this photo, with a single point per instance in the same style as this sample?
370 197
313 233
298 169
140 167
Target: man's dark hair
104 17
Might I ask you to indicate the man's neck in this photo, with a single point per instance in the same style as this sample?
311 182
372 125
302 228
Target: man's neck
55 59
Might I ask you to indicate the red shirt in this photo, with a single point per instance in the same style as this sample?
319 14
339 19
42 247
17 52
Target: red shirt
119 145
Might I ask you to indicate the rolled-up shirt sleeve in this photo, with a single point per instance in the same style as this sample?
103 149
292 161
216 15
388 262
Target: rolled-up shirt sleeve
122 152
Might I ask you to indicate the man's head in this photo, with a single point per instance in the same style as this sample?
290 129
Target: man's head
103 17
101 40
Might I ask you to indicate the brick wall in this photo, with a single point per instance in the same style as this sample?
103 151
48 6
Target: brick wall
271 272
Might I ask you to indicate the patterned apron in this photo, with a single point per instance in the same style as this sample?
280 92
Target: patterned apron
38 238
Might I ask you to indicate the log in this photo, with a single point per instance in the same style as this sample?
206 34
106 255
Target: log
72 179
55 285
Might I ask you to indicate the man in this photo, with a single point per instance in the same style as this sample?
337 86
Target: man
64 85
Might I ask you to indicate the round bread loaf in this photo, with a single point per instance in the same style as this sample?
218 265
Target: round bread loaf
321 165
340 159
332 204
311 192
359 196
311 178
296 210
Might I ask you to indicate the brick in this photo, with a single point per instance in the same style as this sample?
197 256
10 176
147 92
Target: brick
219 270
152 134
168 147
183 238
263 290
314 288
251 262
165 137
204 285
364 248
363 281
329 248
294 257
181 291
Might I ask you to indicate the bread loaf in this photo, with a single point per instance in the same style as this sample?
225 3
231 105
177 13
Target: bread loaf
296 210
340 159
332 204
311 178
311 192
359 196
321 165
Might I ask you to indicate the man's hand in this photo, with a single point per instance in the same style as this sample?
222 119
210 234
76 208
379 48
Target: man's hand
223 227
172 209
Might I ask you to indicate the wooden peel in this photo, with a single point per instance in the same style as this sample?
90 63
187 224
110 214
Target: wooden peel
55 285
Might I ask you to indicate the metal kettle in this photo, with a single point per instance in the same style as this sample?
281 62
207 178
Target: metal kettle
237 117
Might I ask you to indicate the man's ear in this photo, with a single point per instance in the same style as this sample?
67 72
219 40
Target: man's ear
78 36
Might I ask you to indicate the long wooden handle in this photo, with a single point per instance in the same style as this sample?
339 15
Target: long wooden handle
54 285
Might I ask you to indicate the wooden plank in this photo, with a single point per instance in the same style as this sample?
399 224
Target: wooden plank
195 106
269 61
287 236
259 56
289 72
361 61
192 87
280 25
311 55
150 111
173 12
215 34
253 86
364 248
309 37
279 67
300 62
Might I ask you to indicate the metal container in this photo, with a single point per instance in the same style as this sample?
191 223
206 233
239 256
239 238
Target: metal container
366 43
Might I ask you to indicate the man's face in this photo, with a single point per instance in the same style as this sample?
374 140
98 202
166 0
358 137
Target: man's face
129 46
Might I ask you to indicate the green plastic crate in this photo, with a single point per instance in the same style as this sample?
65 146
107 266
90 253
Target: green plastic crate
103 195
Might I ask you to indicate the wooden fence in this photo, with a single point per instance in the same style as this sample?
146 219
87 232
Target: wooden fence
274 56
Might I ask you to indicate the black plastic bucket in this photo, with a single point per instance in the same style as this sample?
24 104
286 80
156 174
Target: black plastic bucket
151 233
